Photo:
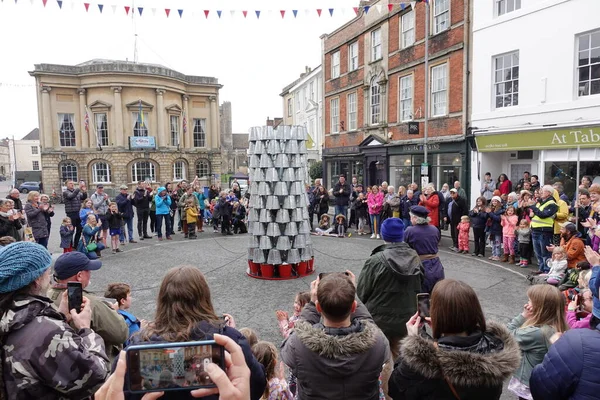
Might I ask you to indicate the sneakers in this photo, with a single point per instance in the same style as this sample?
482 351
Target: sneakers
122 243
160 239
118 250
169 238
114 252
373 236
474 255
495 258
132 241
378 237
452 248
480 255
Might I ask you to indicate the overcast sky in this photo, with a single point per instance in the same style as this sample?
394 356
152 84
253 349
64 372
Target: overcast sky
253 58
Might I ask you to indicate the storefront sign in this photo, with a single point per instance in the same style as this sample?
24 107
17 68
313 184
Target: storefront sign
409 148
540 140
142 142
341 150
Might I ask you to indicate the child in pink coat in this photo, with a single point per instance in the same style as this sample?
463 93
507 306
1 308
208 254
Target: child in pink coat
509 223
375 205
464 227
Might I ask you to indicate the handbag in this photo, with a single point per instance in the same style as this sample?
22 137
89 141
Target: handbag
91 246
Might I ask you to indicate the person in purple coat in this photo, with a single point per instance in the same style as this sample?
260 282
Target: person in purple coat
424 239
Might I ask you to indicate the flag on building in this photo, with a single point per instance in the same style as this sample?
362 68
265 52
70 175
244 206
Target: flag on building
141 117
86 121
184 123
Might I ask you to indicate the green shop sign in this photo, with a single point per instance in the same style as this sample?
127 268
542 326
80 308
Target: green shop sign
540 140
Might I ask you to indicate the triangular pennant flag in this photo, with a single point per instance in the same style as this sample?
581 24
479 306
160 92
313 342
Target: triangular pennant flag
257 14
180 11
343 10
307 12
72 5
114 8
59 4
402 6
153 12
219 13
127 10
100 7
31 1
355 10
44 2
331 12
294 11
245 13
379 6
282 12
206 13
167 11
367 9
319 11
413 4
87 6
390 6
140 10
232 12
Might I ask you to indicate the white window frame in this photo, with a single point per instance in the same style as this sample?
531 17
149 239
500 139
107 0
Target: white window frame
375 102
137 130
502 7
174 130
101 172
439 91
376 45
407 29
66 130
504 85
35 150
101 128
351 102
35 165
201 165
179 170
587 83
137 172
199 133
335 65
69 171
353 56
441 16
334 112
290 107
405 97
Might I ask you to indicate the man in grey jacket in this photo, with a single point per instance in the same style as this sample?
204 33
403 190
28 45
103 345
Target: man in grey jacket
72 197
342 356
100 201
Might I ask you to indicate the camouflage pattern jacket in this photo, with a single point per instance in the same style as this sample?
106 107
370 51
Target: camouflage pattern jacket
43 358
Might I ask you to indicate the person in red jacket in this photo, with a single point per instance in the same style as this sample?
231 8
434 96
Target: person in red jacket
430 200
504 184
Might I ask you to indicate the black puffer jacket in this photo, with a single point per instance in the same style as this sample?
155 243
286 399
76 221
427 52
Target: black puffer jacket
10 227
72 200
476 365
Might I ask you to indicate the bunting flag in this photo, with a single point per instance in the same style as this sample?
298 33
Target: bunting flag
331 12
153 12
206 13
114 8
402 6
87 6
219 13
257 14
366 8
167 11
379 6
180 11
245 13
319 11
232 12
140 10
59 4
15 1
355 10
390 6
141 116
282 12
44 2
127 10
100 7
294 11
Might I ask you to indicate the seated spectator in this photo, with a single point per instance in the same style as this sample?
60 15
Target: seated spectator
324 228
579 312
184 312
42 356
10 221
468 357
570 240
571 279
89 244
342 356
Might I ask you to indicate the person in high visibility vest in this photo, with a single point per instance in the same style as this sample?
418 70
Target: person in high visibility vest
542 226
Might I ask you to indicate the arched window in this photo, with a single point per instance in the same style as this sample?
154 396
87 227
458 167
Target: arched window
203 169
179 170
375 101
101 172
143 171
68 171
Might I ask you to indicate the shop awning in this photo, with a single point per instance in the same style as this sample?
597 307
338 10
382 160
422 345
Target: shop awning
561 138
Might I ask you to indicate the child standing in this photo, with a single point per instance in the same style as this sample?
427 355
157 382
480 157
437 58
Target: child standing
191 218
479 220
360 207
115 219
121 292
463 234
277 387
495 212
524 237
509 223
66 235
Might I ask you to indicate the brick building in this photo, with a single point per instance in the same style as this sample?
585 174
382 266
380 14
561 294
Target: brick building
374 86
135 129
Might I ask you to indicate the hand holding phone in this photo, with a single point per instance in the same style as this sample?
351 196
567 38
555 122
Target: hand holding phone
423 305
74 296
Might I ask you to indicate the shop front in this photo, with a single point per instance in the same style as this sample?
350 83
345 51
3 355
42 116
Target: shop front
552 154
346 160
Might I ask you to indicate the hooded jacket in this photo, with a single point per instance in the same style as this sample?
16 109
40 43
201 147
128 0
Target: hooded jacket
330 363
163 204
43 358
574 248
476 366
388 285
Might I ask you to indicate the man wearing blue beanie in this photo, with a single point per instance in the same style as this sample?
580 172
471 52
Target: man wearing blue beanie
389 282
42 357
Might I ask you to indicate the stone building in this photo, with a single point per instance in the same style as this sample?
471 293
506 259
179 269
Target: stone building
144 122
234 146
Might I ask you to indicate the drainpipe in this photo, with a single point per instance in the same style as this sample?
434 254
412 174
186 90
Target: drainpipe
468 36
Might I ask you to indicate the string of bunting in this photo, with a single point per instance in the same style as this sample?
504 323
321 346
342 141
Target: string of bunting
139 11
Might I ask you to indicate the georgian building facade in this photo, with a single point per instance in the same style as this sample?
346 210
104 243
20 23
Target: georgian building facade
115 122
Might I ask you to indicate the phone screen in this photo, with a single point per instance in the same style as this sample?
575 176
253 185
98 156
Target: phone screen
74 295
172 366
423 304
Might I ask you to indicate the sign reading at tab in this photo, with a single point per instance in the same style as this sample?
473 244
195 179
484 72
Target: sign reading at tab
548 139
142 142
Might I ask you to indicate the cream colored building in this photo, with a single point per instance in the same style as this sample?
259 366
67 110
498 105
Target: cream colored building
145 122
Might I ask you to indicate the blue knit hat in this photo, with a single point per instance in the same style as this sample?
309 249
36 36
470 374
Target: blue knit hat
22 263
392 230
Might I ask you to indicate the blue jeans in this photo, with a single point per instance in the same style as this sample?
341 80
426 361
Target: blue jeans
42 242
159 221
406 222
375 225
92 254
341 210
129 223
540 240
496 245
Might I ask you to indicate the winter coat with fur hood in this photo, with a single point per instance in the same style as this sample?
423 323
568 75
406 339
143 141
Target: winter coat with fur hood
332 363
475 365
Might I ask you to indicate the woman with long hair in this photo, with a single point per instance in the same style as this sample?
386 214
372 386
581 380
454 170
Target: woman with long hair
539 325
467 356
504 184
184 312
36 217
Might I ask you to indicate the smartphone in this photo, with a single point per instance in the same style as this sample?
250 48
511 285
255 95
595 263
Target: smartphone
172 366
75 295
324 274
423 305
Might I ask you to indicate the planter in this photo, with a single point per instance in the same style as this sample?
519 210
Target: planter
302 268
266 270
285 270
254 267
